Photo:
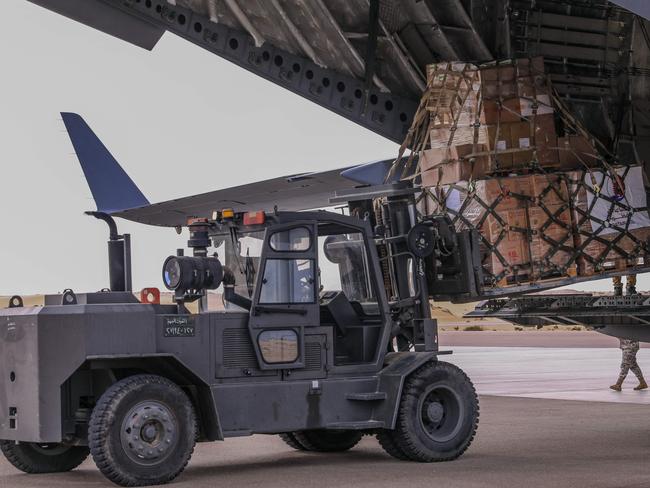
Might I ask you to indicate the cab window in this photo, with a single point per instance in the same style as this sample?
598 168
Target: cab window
292 240
288 281
278 346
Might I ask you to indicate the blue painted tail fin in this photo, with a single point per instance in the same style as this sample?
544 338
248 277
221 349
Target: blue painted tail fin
112 189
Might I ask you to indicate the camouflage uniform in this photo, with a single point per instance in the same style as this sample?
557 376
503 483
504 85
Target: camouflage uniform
618 285
629 348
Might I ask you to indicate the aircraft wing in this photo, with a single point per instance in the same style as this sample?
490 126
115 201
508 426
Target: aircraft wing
116 194
296 192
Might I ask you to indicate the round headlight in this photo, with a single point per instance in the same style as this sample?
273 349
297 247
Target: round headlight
183 273
172 273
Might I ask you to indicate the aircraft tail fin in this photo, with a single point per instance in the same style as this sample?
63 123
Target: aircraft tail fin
112 189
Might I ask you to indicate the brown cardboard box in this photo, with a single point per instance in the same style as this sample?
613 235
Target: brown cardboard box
502 111
516 145
500 146
430 158
538 132
499 81
440 138
531 244
576 152
529 217
512 92
446 170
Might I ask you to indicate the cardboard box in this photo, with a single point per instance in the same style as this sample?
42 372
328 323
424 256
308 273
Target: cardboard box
600 217
440 138
538 133
499 81
576 152
513 91
500 147
502 111
529 220
448 167
515 145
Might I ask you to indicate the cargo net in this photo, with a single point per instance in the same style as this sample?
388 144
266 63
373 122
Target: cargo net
566 208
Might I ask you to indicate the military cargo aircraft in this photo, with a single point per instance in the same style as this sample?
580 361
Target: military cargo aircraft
366 61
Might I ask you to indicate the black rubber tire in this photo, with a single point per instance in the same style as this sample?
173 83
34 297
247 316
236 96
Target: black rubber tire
328 440
290 439
104 433
33 458
410 435
388 444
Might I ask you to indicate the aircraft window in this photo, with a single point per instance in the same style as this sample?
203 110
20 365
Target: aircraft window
344 266
296 239
278 346
288 281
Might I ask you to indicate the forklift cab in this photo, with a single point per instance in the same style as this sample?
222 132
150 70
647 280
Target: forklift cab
305 273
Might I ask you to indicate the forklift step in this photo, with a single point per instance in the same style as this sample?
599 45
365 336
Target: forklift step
367 397
362 425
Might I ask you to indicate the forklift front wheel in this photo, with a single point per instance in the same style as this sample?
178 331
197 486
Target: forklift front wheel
142 431
328 440
38 458
438 414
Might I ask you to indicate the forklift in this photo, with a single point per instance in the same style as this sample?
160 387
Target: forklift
325 336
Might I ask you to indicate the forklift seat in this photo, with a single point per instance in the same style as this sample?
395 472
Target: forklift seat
340 309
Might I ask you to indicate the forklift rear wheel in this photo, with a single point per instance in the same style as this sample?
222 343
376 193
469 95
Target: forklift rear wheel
328 440
142 431
38 458
438 414
290 439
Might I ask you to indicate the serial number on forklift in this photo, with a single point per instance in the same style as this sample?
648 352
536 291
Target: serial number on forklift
179 327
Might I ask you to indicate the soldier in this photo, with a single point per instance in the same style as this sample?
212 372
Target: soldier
629 348
630 289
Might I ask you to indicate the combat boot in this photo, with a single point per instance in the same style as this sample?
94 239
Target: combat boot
616 387
618 290
642 386
630 290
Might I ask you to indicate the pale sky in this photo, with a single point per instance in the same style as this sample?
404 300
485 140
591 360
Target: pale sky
179 120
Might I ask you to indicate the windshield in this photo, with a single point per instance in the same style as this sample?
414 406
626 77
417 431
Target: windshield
241 253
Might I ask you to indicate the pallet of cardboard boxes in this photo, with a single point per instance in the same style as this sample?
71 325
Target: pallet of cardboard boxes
501 157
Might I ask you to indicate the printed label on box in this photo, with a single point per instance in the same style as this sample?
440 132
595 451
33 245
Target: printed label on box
524 142
631 197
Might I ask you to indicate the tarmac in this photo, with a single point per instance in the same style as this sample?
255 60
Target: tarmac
547 420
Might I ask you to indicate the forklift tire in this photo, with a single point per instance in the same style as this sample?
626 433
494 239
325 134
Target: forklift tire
328 440
142 431
438 414
388 444
290 439
38 458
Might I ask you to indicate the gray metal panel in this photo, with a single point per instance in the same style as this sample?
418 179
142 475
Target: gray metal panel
19 354
284 406
103 17
639 7
31 345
